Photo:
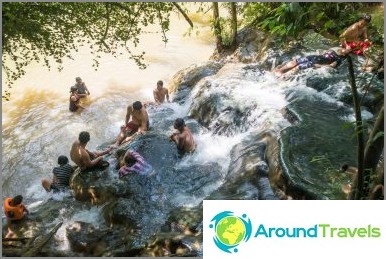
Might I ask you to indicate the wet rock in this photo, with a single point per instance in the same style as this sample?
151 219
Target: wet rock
84 237
121 212
97 186
188 77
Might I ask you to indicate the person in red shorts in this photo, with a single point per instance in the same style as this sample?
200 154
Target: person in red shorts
351 37
138 124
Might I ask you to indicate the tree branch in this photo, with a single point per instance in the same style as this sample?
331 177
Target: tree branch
183 13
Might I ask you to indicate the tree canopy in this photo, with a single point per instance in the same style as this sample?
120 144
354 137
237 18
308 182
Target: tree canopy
43 30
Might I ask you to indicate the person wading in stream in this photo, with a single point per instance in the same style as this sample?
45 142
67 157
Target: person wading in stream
81 87
183 138
138 124
75 100
84 158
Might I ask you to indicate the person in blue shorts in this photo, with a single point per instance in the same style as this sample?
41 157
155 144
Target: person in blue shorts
329 58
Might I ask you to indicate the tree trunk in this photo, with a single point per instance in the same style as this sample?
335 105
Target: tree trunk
234 24
217 27
373 151
357 186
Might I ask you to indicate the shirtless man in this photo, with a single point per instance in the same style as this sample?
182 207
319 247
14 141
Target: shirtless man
159 93
84 158
138 124
183 138
350 38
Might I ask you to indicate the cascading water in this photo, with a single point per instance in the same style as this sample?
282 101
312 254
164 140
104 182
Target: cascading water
235 113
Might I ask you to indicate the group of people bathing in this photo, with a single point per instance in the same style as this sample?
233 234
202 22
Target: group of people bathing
353 40
136 123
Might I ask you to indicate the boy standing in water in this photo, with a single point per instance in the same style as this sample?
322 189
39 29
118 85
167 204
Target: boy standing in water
160 93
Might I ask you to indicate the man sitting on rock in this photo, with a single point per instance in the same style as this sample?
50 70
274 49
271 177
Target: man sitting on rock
62 175
138 124
14 210
183 138
351 37
84 158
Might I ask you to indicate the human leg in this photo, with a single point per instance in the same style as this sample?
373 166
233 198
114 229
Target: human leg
287 66
46 184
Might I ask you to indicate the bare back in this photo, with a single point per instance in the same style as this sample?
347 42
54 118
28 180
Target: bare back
355 32
185 140
79 155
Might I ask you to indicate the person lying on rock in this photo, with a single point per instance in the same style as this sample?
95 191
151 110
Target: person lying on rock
138 124
61 179
84 158
133 162
183 138
351 37
329 58
14 210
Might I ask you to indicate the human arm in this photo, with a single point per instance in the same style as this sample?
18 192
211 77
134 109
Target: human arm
85 87
76 101
144 121
167 95
86 159
102 153
128 114
333 65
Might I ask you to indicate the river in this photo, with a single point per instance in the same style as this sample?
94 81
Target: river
37 126
227 111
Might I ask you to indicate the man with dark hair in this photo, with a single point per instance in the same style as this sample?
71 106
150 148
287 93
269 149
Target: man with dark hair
160 93
138 124
84 158
62 175
14 210
183 138
133 162
351 37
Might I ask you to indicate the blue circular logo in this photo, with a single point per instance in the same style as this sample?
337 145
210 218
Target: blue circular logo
230 230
